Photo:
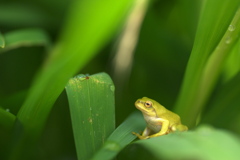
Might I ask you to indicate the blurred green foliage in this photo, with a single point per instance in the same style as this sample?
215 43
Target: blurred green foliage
160 59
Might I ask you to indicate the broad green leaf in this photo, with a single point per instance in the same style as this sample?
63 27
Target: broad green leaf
210 48
205 143
121 137
91 101
2 41
26 37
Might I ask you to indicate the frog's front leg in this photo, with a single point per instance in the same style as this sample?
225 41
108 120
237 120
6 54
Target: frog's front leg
145 134
164 129
179 127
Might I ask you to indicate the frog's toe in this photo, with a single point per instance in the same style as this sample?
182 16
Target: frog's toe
136 134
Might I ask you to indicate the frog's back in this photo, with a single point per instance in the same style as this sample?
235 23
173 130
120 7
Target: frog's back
171 116
162 112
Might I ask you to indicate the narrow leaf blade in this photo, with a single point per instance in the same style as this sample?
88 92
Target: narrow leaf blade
91 100
232 65
26 37
2 41
225 105
77 45
121 137
212 25
6 119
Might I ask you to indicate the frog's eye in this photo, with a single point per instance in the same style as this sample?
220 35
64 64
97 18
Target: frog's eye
148 104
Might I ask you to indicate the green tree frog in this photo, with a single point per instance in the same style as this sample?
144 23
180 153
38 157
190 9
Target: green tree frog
160 121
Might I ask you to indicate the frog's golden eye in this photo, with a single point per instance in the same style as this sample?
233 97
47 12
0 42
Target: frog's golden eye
148 104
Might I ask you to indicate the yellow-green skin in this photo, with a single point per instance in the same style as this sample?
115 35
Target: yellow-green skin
160 121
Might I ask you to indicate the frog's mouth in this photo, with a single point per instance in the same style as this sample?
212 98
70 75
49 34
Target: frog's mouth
139 101
139 105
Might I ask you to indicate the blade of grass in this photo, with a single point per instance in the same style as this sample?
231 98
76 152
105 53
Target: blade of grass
204 143
122 62
13 101
218 58
121 137
232 66
6 119
91 101
212 25
79 42
2 41
25 37
20 15
225 103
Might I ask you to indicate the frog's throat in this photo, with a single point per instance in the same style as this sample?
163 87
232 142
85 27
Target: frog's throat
149 113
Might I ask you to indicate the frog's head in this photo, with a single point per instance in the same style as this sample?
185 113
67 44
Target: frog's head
146 106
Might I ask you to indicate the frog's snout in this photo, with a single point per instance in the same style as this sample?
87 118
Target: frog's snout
138 101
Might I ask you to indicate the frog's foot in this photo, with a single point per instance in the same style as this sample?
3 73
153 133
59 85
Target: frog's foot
140 136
